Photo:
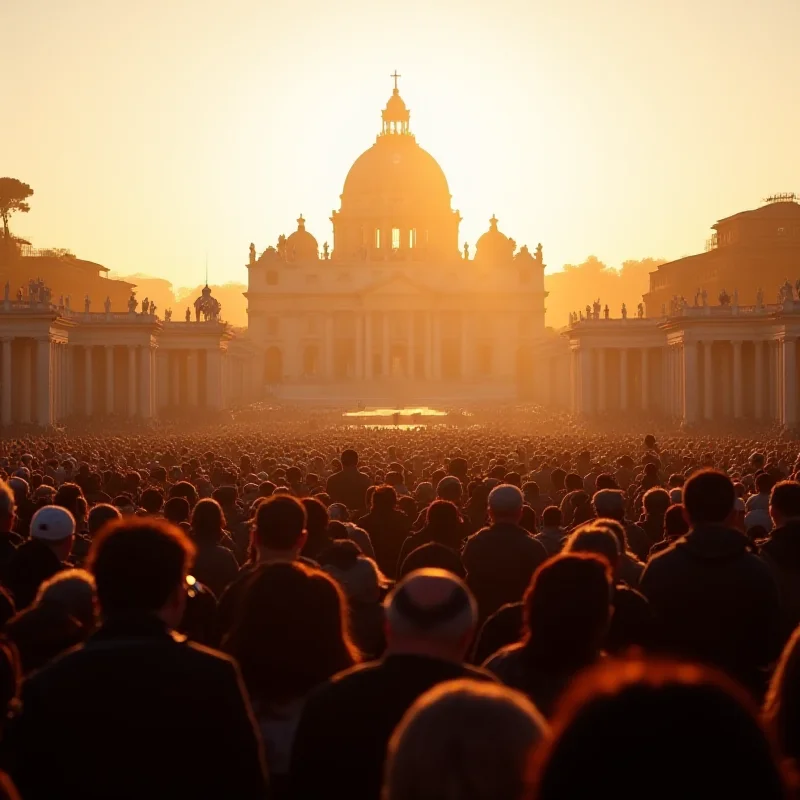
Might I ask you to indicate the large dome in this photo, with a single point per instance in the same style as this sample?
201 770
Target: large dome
396 170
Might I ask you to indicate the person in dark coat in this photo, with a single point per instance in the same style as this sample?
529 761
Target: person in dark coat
500 560
349 485
781 551
340 744
215 564
713 600
388 528
137 712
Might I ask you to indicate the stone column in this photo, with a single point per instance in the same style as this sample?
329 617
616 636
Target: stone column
329 333
192 377
623 379
174 373
738 388
359 346
145 382
368 354
109 379
689 401
132 381
758 379
789 370
214 379
428 348
55 381
602 403
437 347
26 355
5 400
385 355
645 379
708 378
410 349
162 379
88 381
44 382
587 399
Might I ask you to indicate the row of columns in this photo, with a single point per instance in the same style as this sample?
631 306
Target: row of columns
181 382
589 396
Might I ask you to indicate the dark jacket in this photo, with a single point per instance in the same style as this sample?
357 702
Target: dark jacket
32 564
455 541
215 566
781 551
387 530
340 745
500 561
137 713
349 486
715 601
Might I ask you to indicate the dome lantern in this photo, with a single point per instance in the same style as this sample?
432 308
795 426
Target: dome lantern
395 116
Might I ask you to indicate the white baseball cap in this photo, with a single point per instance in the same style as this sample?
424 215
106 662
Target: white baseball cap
52 524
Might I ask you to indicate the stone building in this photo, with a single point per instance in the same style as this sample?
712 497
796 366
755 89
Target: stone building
753 249
395 308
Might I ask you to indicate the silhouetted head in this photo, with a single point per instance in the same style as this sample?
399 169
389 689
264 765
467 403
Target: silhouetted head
709 498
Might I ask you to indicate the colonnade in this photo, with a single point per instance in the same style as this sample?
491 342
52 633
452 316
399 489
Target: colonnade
196 378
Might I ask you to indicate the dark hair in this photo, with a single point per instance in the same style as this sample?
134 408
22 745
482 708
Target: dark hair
433 555
573 482
101 515
349 458
785 499
708 497
384 497
68 496
280 522
616 528
291 633
592 539
567 610
656 501
152 500
764 482
208 521
551 517
137 563
176 510
675 524
225 495
184 489
266 489
723 753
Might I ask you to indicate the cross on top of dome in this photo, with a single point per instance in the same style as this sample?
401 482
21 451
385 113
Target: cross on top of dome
395 76
493 222
301 223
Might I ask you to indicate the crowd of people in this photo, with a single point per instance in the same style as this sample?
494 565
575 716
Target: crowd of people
494 611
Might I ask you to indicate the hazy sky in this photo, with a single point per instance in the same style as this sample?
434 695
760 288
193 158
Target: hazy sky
156 131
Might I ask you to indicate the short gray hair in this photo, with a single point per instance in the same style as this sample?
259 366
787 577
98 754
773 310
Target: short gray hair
431 604
506 499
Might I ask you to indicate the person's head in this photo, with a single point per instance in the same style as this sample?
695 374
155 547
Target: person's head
316 517
290 632
8 507
551 517
184 489
357 574
433 555
764 482
567 610
349 459
709 498
675 524
70 496
505 503
594 539
784 502
442 516
208 521
152 500
140 567
463 739
431 612
100 515
384 498
450 488
73 592
656 502
609 504
176 510
643 709
279 531
54 527
338 512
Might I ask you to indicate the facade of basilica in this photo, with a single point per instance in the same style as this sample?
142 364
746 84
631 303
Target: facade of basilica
396 306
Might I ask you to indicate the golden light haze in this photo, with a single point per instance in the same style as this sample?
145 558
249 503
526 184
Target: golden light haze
158 132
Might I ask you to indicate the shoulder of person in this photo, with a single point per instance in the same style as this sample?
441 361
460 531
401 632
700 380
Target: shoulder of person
501 659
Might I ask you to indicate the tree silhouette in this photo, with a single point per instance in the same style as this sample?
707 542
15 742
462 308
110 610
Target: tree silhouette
13 194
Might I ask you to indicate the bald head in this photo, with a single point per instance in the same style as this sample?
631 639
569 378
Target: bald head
431 609
505 503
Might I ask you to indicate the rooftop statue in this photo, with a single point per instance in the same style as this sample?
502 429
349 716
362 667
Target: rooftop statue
167 315
640 311
132 303
107 305
624 311
252 256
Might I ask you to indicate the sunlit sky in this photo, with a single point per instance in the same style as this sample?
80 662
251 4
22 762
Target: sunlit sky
158 132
